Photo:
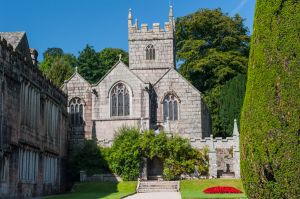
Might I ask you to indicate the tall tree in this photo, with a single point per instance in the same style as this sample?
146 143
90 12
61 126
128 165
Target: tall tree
89 64
108 57
53 52
212 49
57 66
231 102
61 69
270 126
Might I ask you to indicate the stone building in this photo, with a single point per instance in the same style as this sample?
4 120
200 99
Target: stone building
33 124
149 93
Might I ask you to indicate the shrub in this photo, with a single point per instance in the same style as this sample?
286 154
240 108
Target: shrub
88 158
154 145
125 154
270 124
183 159
178 156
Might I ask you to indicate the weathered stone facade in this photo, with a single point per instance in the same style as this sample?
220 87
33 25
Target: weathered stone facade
33 124
224 154
149 80
151 94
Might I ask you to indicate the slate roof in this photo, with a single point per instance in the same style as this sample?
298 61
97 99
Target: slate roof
13 38
18 40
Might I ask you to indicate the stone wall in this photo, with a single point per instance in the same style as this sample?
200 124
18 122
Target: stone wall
222 152
33 126
106 124
78 87
193 119
161 39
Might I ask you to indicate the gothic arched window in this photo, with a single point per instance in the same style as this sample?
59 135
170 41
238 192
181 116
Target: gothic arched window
170 107
120 100
76 111
150 52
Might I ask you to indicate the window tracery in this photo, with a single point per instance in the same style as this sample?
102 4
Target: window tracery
170 107
120 100
150 52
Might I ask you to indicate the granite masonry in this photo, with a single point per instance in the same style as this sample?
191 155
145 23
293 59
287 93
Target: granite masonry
33 124
148 94
38 121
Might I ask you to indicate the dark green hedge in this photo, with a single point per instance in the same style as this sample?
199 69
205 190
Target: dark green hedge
270 120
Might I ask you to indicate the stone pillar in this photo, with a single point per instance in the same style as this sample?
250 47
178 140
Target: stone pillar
212 155
144 173
236 151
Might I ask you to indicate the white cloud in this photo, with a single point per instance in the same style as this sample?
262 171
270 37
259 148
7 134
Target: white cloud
239 7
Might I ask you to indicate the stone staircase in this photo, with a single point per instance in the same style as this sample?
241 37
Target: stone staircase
157 186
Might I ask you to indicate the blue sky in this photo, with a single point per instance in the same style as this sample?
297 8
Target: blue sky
71 24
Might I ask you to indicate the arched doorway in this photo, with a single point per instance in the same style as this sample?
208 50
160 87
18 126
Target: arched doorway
155 168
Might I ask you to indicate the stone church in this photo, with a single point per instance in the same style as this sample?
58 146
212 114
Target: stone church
38 121
149 93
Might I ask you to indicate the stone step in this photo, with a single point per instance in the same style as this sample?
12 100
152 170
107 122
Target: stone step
227 175
159 182
157 186
156 190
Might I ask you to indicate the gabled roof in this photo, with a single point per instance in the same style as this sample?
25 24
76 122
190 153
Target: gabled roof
172 69
118 63
74 74
18 40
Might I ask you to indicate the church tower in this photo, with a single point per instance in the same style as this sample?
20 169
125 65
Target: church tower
151 49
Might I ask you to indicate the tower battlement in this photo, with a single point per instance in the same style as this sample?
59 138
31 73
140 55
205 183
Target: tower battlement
153 47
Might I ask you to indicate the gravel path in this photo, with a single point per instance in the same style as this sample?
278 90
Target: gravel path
156 195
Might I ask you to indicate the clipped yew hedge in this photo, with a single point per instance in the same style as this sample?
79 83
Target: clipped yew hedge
270 120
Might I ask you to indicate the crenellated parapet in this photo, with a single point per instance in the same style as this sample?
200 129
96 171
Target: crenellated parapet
151 47
223 153
137 32
213 143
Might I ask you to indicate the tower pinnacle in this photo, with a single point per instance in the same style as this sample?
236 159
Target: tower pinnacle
129 18
171 9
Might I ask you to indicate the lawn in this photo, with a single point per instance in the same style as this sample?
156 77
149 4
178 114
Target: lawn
193 189
103 190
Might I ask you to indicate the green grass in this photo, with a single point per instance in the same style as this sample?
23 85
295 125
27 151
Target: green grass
193 189
95 190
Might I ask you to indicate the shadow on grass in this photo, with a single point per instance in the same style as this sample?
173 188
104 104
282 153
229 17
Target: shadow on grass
93 190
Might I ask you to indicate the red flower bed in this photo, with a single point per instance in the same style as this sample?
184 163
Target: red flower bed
220 189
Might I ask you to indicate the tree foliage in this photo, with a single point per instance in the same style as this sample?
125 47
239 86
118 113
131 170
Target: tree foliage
57 66
230 103
89 64
108 57
270 124
177 154
125 154
94 65
89 158
53 52
212 49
